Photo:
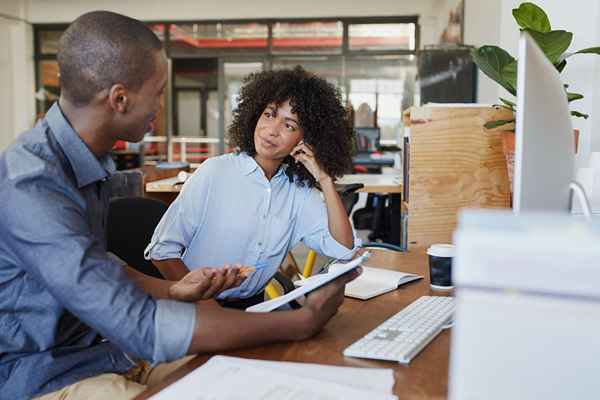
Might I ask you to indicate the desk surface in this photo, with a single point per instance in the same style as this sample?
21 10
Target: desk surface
374 183
426 377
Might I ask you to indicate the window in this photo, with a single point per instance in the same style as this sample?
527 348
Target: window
308 37
196 39
372 61
382 36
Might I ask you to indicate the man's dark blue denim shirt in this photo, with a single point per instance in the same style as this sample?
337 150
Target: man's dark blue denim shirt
68 311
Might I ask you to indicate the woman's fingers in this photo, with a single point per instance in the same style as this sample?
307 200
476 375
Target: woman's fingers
216 284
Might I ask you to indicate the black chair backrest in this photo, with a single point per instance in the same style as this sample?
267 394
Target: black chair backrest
131 223
348 195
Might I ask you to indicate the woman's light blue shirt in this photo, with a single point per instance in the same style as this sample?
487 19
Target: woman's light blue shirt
228 212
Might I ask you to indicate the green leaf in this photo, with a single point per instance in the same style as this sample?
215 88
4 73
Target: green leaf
508 103
493 61
510 73
553 43
495 124
589 50
561 65
579 115
530 16
574 96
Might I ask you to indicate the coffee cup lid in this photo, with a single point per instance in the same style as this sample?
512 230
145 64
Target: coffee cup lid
441 250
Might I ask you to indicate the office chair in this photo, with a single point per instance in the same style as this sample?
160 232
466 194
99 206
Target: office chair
131 223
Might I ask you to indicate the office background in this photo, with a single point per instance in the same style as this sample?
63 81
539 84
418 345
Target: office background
485 22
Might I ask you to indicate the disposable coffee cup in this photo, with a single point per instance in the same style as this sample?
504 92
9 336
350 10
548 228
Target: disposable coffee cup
440 266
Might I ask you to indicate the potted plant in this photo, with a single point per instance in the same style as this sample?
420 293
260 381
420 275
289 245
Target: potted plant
501 67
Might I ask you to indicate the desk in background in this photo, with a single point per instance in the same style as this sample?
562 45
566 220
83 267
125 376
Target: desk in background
384 184
374 160
426 377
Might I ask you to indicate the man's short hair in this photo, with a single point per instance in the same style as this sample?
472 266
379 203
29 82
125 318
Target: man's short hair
100 49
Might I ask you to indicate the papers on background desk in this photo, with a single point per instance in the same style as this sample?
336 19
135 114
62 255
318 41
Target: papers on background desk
372 282
228 378
315 283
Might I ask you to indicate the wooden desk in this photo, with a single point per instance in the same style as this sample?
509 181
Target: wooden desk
374 183
426 377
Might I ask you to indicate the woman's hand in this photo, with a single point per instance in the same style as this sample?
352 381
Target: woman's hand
305 154
206 283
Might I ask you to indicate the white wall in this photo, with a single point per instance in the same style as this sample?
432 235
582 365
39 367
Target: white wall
13 8
17 104
482 26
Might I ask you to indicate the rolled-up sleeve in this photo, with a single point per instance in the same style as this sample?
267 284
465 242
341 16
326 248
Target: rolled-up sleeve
312 229
174 328
68 260
178 225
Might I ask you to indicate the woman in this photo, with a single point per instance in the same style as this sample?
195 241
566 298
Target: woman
251 207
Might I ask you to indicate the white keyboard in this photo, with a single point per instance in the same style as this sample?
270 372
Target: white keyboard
401 337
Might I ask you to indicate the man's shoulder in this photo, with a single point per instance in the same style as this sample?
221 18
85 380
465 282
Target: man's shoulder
32 155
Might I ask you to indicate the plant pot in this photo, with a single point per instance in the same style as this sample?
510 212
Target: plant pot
508 146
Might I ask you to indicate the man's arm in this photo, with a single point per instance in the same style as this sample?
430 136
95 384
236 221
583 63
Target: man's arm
219 329
200 284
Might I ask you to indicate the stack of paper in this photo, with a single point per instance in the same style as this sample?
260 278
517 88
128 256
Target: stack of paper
228 378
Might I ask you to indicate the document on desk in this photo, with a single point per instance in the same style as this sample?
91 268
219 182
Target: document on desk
315 282
232 378
375 379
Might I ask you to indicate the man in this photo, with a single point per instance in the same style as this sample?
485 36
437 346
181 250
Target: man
75 322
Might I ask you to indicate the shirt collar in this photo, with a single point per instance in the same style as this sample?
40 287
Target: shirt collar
248 165
86 167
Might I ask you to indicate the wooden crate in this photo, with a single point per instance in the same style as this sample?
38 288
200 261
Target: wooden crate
454 163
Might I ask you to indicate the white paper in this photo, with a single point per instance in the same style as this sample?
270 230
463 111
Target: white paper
370 379
223 379
314 283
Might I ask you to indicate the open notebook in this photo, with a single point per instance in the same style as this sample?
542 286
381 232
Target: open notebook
372 282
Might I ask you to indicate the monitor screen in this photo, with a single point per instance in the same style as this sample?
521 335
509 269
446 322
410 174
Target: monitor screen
367 139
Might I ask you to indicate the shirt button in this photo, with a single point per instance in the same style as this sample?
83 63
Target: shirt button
260 243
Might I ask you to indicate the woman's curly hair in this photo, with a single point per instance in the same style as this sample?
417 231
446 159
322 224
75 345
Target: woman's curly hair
320 115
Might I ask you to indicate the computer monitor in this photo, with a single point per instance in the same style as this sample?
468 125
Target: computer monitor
367 139
544 147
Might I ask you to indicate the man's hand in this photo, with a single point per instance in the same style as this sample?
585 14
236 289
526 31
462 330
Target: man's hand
322 304
206 283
